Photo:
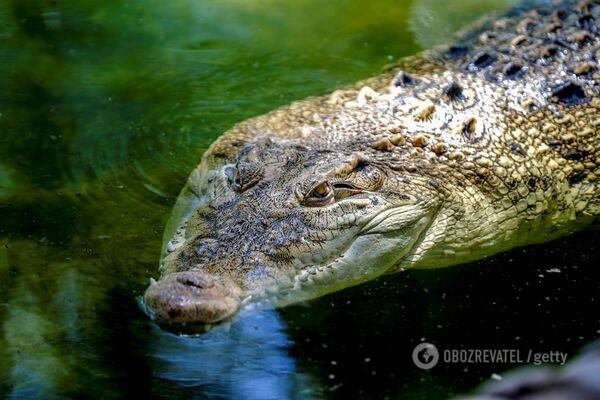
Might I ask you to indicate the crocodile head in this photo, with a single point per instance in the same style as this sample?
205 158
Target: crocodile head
284 223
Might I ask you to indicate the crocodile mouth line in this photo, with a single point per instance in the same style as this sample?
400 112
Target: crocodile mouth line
310 274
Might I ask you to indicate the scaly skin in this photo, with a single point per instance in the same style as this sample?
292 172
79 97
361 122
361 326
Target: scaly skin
449 156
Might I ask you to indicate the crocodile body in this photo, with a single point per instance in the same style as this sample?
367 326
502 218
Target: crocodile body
448 156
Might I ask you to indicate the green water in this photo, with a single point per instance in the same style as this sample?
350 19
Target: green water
106 106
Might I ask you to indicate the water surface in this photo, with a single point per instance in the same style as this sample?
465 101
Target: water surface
106 106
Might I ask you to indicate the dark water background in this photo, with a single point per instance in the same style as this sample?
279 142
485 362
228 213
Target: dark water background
106 106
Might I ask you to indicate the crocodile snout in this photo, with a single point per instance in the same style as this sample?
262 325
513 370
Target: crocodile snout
192 297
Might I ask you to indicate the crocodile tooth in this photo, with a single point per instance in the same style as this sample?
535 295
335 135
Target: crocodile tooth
303 276
171 247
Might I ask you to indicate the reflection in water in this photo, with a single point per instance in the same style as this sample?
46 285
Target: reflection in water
34 360
45 316
246 359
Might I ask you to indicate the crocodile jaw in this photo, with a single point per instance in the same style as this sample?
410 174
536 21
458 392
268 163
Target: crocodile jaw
380 245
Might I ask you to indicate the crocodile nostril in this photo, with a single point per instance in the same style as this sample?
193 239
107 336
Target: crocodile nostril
195 281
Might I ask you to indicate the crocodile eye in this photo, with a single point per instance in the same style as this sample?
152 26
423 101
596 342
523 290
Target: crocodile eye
321 190
319 195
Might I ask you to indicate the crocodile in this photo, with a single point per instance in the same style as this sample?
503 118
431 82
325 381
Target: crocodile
454 154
